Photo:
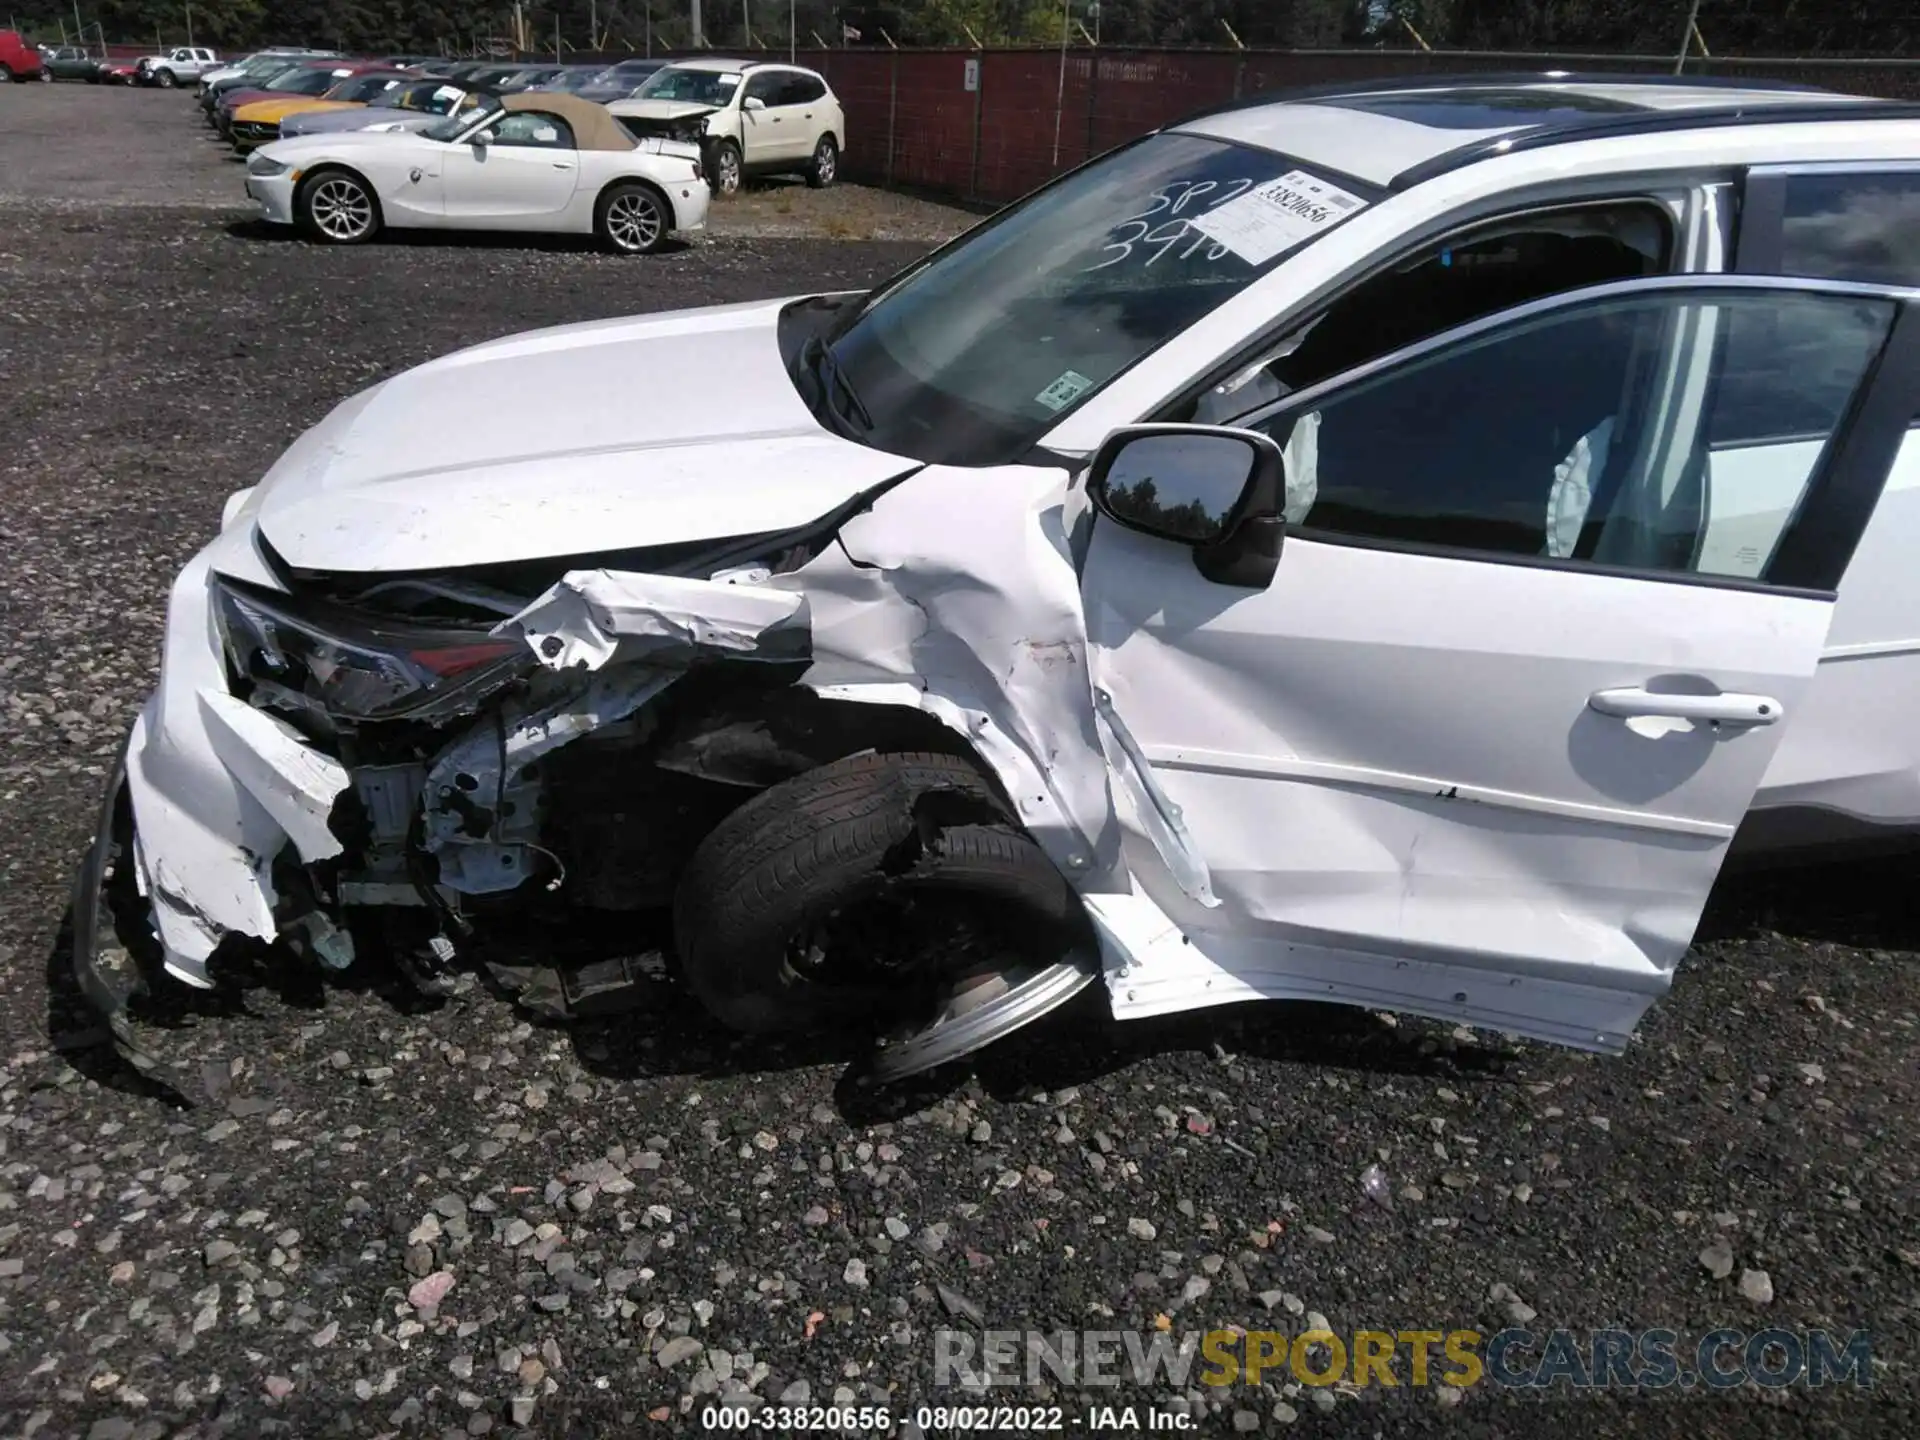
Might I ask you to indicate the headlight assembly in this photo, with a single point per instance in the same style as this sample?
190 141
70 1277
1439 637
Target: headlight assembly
265 165
354 666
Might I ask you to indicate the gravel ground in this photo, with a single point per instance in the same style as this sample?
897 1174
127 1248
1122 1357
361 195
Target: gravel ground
637 1216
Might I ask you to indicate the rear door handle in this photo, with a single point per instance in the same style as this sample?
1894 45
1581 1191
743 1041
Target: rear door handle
563 164
1726 709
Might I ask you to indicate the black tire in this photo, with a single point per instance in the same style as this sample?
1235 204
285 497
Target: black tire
856 838
824 168
163 78
632 218
729 175
324 191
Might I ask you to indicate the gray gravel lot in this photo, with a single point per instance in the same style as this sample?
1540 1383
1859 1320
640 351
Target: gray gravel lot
639 1216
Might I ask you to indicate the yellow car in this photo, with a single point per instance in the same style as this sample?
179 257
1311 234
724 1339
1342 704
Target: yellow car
258 121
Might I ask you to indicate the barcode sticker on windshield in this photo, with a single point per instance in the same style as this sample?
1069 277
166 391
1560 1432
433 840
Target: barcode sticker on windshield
1277 216
1064 391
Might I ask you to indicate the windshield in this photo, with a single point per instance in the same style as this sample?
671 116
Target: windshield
705 87
432 96
312 82
574 80
973 357
362 87
449 127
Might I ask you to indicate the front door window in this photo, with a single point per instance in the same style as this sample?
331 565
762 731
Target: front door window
1664 432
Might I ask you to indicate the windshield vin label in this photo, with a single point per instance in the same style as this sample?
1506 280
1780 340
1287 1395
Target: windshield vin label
1276 216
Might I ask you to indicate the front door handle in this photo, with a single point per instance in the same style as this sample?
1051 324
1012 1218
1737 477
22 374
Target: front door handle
563 164
1726 709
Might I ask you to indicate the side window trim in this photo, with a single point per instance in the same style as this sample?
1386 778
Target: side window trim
1661 197
1839 496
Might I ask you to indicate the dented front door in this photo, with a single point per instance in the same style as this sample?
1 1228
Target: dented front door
1478 748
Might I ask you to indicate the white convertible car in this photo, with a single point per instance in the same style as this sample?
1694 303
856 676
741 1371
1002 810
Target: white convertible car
543 162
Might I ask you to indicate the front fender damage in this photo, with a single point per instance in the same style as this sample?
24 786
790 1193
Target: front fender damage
977 624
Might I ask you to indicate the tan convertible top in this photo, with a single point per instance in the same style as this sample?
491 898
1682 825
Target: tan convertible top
593 127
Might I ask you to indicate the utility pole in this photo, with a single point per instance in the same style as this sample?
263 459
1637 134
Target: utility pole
189 24
746 21
697 40
790 31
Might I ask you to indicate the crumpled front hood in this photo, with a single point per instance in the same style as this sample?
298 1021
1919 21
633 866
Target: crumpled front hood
661 109
587 438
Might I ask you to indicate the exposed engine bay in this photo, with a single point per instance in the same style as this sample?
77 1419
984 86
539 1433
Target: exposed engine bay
688 127
461 755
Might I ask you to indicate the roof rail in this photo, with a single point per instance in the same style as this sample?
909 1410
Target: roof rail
1651 122
1500 80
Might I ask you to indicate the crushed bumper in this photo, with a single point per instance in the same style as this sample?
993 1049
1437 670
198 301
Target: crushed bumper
104 969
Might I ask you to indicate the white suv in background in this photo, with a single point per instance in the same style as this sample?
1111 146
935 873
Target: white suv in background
752 118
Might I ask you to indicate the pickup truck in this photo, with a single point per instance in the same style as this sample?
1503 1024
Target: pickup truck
181 65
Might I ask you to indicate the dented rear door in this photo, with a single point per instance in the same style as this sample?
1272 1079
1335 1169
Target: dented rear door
1478 748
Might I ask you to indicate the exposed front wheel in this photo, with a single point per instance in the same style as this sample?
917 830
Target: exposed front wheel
164 79
825 166
337 208
873 889
632 219
727 171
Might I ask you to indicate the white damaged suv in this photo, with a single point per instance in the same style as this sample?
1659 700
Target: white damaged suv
751 118
1378 546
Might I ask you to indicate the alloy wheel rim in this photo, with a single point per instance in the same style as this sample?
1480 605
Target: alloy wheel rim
342 210
823 162
729 172
633 221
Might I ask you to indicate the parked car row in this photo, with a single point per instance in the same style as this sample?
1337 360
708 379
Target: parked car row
747 117
342 147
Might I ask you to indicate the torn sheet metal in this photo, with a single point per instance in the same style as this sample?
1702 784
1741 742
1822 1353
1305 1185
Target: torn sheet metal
971 612
482 817
592 617
294 783
1153 809
204 844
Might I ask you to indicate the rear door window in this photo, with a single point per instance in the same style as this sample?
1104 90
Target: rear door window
1852 226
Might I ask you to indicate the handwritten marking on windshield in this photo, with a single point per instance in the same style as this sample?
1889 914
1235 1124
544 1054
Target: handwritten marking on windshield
1172 199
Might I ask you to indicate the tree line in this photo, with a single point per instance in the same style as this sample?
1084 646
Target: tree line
1740 27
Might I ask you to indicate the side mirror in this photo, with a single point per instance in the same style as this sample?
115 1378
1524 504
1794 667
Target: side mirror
753 102
481 138
1215 489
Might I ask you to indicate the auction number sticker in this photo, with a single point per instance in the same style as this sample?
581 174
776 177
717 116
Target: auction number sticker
1271 218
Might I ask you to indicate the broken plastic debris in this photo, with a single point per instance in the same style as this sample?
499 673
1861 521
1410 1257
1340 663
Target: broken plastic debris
1373 1185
